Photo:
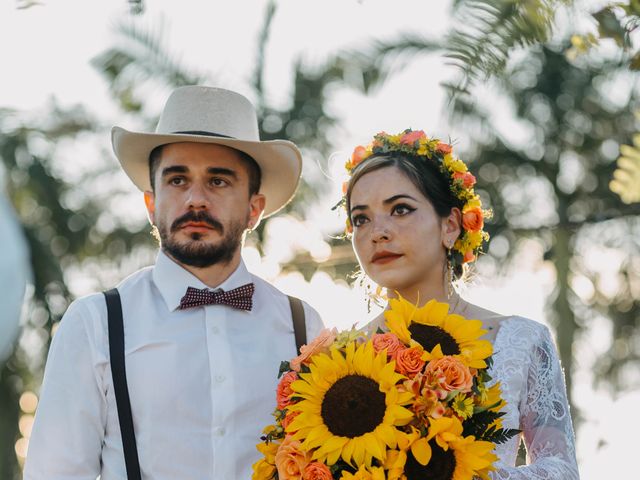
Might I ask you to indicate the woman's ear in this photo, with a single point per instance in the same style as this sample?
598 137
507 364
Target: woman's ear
451 227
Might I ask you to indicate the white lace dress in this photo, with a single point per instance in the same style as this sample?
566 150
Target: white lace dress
526 364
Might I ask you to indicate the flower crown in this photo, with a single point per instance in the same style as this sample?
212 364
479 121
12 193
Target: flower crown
414 142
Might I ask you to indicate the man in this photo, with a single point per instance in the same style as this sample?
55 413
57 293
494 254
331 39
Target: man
200 378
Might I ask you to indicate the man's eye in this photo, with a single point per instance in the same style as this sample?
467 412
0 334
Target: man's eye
219 182
358 220
402 209
176 181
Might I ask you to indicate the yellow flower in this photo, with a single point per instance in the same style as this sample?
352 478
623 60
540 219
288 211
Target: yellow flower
432 324
269 451
463 405
454 164
263 470
363 473
471 204
443 449
350 406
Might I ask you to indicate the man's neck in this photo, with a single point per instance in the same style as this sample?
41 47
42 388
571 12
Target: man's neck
213 275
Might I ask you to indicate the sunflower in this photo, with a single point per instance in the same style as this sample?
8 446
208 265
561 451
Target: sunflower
349 406
444 454
433 325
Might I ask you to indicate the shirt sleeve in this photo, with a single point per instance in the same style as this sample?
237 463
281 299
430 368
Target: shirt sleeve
68 430
545 421
313 322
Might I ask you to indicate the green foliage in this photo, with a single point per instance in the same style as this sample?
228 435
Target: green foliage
565 162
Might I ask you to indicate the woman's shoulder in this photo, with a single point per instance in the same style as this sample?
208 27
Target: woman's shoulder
513 325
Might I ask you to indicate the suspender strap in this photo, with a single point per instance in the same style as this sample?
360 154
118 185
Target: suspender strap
118 372
299 327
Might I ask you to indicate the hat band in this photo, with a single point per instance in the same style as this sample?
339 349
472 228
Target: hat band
202 132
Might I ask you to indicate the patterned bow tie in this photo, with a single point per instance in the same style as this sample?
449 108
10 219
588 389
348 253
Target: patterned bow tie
240 298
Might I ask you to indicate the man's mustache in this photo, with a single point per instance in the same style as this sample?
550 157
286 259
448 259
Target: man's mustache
200 217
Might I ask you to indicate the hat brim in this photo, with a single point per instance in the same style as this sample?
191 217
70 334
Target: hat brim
280 161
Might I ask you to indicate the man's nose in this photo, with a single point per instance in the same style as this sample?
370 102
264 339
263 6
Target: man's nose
197 197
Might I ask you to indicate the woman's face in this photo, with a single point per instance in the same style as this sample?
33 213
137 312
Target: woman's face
398 237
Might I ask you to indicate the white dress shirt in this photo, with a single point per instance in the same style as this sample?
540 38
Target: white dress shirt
201 381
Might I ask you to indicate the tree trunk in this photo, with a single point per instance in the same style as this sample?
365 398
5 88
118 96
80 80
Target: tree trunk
9 415
562 315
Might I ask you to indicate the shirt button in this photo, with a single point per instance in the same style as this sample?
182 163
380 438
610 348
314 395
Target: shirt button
215 330
220 378
219 431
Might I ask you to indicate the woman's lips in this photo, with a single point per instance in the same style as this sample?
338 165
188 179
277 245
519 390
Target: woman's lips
385 257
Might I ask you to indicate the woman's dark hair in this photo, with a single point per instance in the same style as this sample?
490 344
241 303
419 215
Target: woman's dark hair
424 174
253 169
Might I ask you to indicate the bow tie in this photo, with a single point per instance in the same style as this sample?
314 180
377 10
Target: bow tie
239 298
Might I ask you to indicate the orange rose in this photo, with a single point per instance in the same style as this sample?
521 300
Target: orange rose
290 460
409 361
411 137
359 154
389 341
283 392
319 344
443 148
468 256
472 220
317 471
451 373
468 180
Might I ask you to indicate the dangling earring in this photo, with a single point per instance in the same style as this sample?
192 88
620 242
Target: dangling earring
448 277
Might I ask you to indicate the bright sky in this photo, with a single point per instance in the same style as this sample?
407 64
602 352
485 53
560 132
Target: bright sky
46 52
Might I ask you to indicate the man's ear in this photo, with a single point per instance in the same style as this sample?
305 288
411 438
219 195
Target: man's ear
150 203
451 227
256 209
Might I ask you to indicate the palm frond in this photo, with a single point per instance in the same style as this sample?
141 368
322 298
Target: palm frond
139 57
490 29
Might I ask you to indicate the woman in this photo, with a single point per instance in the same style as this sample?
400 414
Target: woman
416 225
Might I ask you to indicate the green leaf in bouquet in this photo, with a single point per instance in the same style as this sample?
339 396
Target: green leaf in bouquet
284 368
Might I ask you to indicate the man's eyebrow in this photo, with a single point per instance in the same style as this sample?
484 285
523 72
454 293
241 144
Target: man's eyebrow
222 171
385 202
174 169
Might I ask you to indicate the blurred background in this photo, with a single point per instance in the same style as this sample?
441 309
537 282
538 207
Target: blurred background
540 98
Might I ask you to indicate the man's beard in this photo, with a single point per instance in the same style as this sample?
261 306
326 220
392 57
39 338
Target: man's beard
200 254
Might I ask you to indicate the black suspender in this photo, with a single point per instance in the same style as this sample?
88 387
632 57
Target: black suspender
118 371
299 327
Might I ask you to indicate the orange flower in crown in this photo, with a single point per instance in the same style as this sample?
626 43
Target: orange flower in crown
461 182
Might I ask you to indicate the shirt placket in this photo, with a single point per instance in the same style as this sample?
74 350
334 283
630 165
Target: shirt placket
219 366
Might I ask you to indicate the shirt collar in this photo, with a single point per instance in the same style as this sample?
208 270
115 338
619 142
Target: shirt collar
172 280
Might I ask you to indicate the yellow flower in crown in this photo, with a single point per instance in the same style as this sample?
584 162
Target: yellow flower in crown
461 182
349 406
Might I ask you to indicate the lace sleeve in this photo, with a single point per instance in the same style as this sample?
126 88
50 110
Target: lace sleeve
545 421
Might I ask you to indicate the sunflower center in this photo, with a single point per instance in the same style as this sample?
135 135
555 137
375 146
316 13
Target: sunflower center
429 336
441 466
353 406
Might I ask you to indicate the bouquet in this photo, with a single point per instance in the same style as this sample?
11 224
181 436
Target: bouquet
412 402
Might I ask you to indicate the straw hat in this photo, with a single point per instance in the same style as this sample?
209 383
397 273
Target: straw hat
213 115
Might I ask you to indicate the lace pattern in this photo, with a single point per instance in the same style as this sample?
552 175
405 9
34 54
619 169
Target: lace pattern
528 368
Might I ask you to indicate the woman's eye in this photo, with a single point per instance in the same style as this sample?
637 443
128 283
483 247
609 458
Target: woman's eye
402 209
358 220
